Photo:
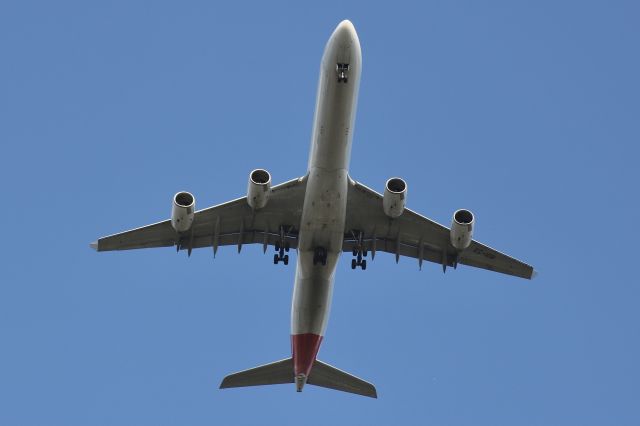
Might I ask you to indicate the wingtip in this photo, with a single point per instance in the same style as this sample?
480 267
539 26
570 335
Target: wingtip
94 245
534 274
224 383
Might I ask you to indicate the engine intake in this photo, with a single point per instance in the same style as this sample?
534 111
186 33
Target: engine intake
259 188
462 229
183 211
395 197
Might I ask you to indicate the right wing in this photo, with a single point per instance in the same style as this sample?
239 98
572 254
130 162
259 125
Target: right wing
416 236
230 223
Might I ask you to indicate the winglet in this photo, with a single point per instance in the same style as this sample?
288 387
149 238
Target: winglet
94 245
534 274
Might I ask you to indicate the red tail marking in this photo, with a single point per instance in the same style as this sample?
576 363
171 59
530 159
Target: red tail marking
304 348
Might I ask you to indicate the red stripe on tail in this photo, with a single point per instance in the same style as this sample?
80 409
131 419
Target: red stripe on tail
304 348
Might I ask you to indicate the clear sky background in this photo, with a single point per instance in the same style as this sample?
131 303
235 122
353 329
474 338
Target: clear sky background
525 112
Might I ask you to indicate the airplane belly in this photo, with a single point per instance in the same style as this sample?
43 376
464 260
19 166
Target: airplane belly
321 228
312 295
324 210
322 224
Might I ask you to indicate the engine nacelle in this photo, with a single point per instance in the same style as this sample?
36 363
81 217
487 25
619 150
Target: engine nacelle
395 197
259 188
183 211
462 229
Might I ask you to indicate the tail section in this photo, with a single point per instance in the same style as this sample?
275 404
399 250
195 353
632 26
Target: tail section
281 372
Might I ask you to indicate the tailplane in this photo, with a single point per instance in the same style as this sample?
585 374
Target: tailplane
276 373
281 372
326 376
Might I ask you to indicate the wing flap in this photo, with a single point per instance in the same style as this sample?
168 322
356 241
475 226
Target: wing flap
248 237
404 249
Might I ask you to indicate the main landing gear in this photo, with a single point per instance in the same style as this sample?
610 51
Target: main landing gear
359 261
359 252
320 256
282 246
280 256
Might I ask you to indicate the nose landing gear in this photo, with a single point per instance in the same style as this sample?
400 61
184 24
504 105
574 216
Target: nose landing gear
342 70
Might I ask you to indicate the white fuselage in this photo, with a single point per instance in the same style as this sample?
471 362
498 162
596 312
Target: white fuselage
324 209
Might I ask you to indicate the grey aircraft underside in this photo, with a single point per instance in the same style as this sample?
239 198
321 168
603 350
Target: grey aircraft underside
320 215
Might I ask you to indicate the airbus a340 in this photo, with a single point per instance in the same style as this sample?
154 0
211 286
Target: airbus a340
320 215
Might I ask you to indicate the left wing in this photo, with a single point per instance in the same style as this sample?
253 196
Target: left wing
230 223
413 235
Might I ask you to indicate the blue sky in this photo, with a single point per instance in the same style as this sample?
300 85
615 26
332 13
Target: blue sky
524 112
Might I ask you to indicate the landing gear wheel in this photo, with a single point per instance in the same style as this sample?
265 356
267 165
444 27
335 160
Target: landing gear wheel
354 252
353 264
275 259
363 265
277 245
364 253
286 247
286 260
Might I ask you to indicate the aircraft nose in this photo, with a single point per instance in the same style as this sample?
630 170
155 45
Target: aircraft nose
345 31
343 50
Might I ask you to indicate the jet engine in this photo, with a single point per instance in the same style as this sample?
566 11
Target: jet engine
395 197
259 188
182 212
462 229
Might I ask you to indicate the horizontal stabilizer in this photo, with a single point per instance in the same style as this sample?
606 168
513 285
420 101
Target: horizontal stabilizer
276 373
281 372
326 376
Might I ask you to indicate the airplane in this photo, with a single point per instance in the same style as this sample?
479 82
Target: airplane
321 215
